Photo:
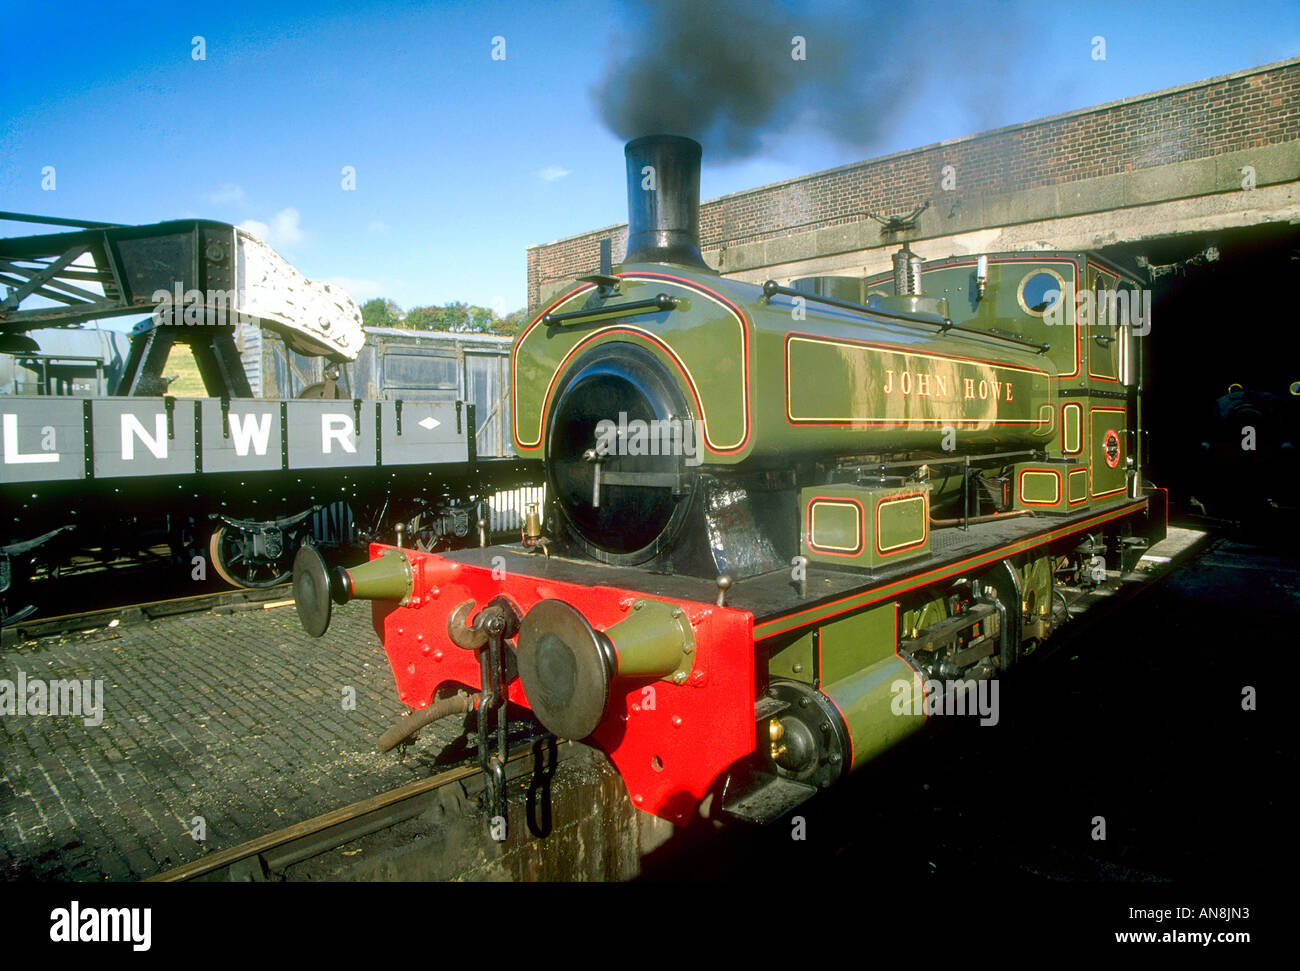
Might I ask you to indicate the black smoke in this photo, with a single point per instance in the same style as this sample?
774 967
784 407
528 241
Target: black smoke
722 71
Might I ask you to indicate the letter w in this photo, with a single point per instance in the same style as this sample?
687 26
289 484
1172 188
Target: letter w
254 430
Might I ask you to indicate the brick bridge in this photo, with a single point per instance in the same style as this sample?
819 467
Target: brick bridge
1185 164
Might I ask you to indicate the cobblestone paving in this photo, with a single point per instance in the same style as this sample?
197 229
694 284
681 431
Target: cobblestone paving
237 718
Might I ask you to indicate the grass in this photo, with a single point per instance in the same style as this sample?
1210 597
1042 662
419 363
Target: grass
188 383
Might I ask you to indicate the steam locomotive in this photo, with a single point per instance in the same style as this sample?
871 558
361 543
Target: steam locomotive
784 524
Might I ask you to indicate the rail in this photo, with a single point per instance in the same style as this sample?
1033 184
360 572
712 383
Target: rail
269 855
259 598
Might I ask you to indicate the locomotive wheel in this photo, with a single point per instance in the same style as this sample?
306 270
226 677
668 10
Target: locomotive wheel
231 560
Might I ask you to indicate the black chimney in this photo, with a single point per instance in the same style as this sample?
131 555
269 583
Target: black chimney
663 201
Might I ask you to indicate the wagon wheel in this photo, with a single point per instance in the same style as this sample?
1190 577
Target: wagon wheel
233 560
426 539
15 604
19 612
321 389
325 389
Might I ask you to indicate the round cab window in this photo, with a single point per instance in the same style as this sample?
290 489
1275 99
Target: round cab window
1040 291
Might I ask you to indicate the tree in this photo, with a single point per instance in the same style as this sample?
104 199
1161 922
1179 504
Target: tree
457 317
513 323
380 312
423 318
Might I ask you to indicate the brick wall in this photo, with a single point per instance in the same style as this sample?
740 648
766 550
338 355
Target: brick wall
1250 109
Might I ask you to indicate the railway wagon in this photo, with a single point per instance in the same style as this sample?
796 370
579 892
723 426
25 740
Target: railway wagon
64 361
394 363
87 361
784 524
305 420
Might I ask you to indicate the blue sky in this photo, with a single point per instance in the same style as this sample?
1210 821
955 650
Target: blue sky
462 160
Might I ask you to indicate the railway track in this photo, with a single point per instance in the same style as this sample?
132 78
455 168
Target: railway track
232 600
268 857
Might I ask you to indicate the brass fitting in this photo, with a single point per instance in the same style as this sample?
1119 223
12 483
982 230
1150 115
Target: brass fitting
532 523
776 732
